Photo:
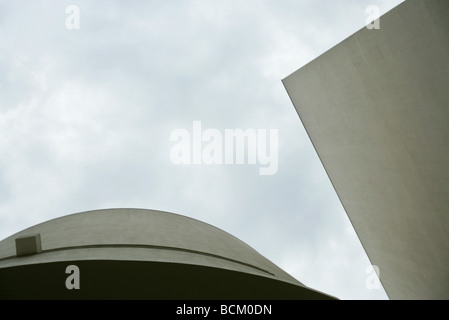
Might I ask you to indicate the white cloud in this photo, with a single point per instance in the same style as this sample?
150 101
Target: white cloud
86 117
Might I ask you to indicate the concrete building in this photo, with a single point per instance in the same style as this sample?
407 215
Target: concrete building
138 254
376 108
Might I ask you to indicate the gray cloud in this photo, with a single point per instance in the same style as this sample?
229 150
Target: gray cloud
86 117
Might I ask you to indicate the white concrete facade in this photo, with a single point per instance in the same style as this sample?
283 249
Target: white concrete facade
158 255
376 108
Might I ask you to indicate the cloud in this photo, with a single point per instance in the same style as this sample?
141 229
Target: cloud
86 117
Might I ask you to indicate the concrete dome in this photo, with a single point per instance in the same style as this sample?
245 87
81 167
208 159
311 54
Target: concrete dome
136 253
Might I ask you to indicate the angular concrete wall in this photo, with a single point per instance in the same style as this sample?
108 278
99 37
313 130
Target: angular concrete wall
376 108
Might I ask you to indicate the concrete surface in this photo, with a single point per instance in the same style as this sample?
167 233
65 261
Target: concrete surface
142 243
376 108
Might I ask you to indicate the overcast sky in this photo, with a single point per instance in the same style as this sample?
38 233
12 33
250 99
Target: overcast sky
86 117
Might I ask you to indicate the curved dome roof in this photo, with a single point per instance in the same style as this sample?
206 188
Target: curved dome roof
141 236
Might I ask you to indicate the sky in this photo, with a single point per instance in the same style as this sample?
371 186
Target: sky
89 105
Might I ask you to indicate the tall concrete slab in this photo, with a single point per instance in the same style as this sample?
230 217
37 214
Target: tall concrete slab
376 108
